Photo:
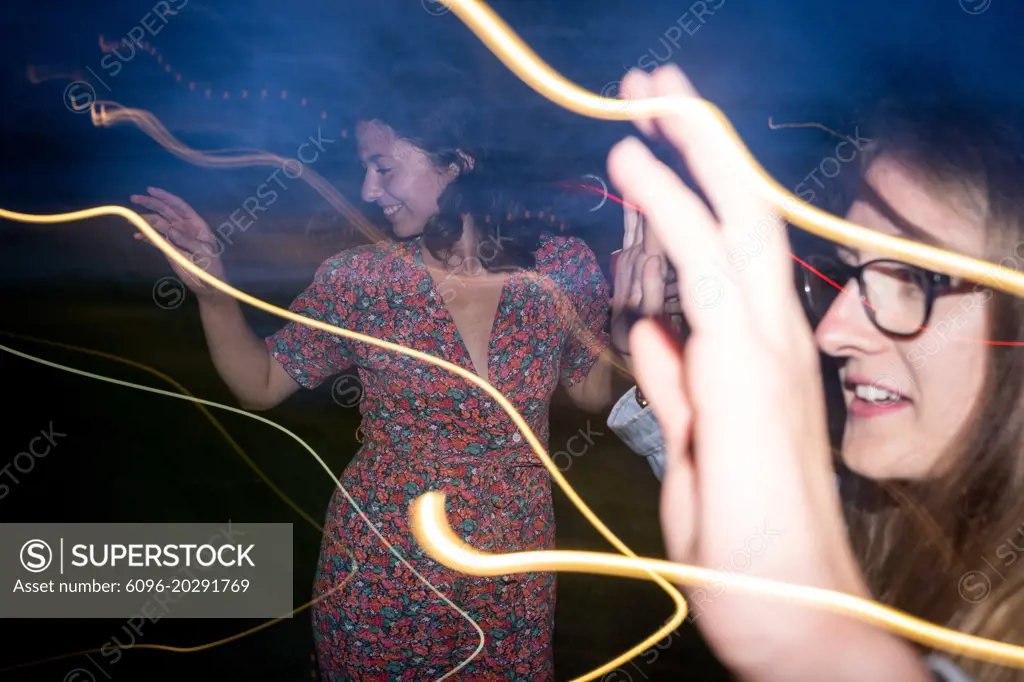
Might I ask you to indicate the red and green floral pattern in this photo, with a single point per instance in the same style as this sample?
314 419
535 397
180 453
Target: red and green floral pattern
429 430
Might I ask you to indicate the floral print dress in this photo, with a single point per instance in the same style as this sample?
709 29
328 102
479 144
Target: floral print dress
426 429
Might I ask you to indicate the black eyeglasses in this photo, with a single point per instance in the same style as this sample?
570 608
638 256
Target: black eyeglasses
897 297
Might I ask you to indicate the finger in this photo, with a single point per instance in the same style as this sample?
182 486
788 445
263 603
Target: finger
189 243
631 223
652 285
637 85
707 146
677 323
720 169
157 222
651 243
178 237
176 203
157 206
181 271
635 291
671 289
623 277
192 247
660 374
695 249
673 307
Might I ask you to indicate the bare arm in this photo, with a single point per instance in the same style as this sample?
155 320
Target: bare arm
593 374
242 358
606 381
641 288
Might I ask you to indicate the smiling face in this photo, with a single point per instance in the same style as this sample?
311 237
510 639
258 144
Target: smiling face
400 178
907 398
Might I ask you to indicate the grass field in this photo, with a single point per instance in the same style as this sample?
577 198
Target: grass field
133 456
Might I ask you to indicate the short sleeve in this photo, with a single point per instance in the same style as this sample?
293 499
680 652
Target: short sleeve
311 355
588 294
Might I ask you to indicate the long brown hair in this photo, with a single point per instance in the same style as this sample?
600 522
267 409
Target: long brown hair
947 549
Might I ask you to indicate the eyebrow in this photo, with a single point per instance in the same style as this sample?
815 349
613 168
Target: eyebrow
868 194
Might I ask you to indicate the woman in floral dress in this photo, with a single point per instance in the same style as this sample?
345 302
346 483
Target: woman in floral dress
525 310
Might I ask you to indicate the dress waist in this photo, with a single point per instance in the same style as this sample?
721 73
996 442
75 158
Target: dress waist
456 452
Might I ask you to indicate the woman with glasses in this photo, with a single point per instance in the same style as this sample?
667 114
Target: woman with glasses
930 522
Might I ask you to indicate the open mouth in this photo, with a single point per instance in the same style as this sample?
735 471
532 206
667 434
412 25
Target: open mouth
874 397
390 211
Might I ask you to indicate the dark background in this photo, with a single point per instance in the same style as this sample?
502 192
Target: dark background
132 456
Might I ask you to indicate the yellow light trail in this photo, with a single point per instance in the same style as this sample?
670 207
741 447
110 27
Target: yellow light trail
533 71
428 522
172 253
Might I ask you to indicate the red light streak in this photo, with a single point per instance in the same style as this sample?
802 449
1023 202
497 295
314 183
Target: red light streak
809 267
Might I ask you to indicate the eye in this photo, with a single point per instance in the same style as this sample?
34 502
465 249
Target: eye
383 171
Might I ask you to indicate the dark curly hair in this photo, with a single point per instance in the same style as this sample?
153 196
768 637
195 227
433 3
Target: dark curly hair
431 107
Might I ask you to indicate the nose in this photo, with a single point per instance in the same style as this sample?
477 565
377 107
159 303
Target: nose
372 189
846 329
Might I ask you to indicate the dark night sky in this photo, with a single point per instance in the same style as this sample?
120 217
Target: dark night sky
791 59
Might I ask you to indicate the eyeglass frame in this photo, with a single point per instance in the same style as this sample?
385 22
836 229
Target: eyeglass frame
935 284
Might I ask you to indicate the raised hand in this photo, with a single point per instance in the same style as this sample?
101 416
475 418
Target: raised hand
748 467
643 282
187 231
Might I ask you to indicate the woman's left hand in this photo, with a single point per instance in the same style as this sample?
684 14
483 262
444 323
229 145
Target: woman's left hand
640 282
749 485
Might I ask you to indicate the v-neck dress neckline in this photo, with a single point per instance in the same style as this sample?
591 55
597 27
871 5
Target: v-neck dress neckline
463 357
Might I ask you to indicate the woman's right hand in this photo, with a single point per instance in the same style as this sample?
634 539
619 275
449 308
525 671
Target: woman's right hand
743 415
187 232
